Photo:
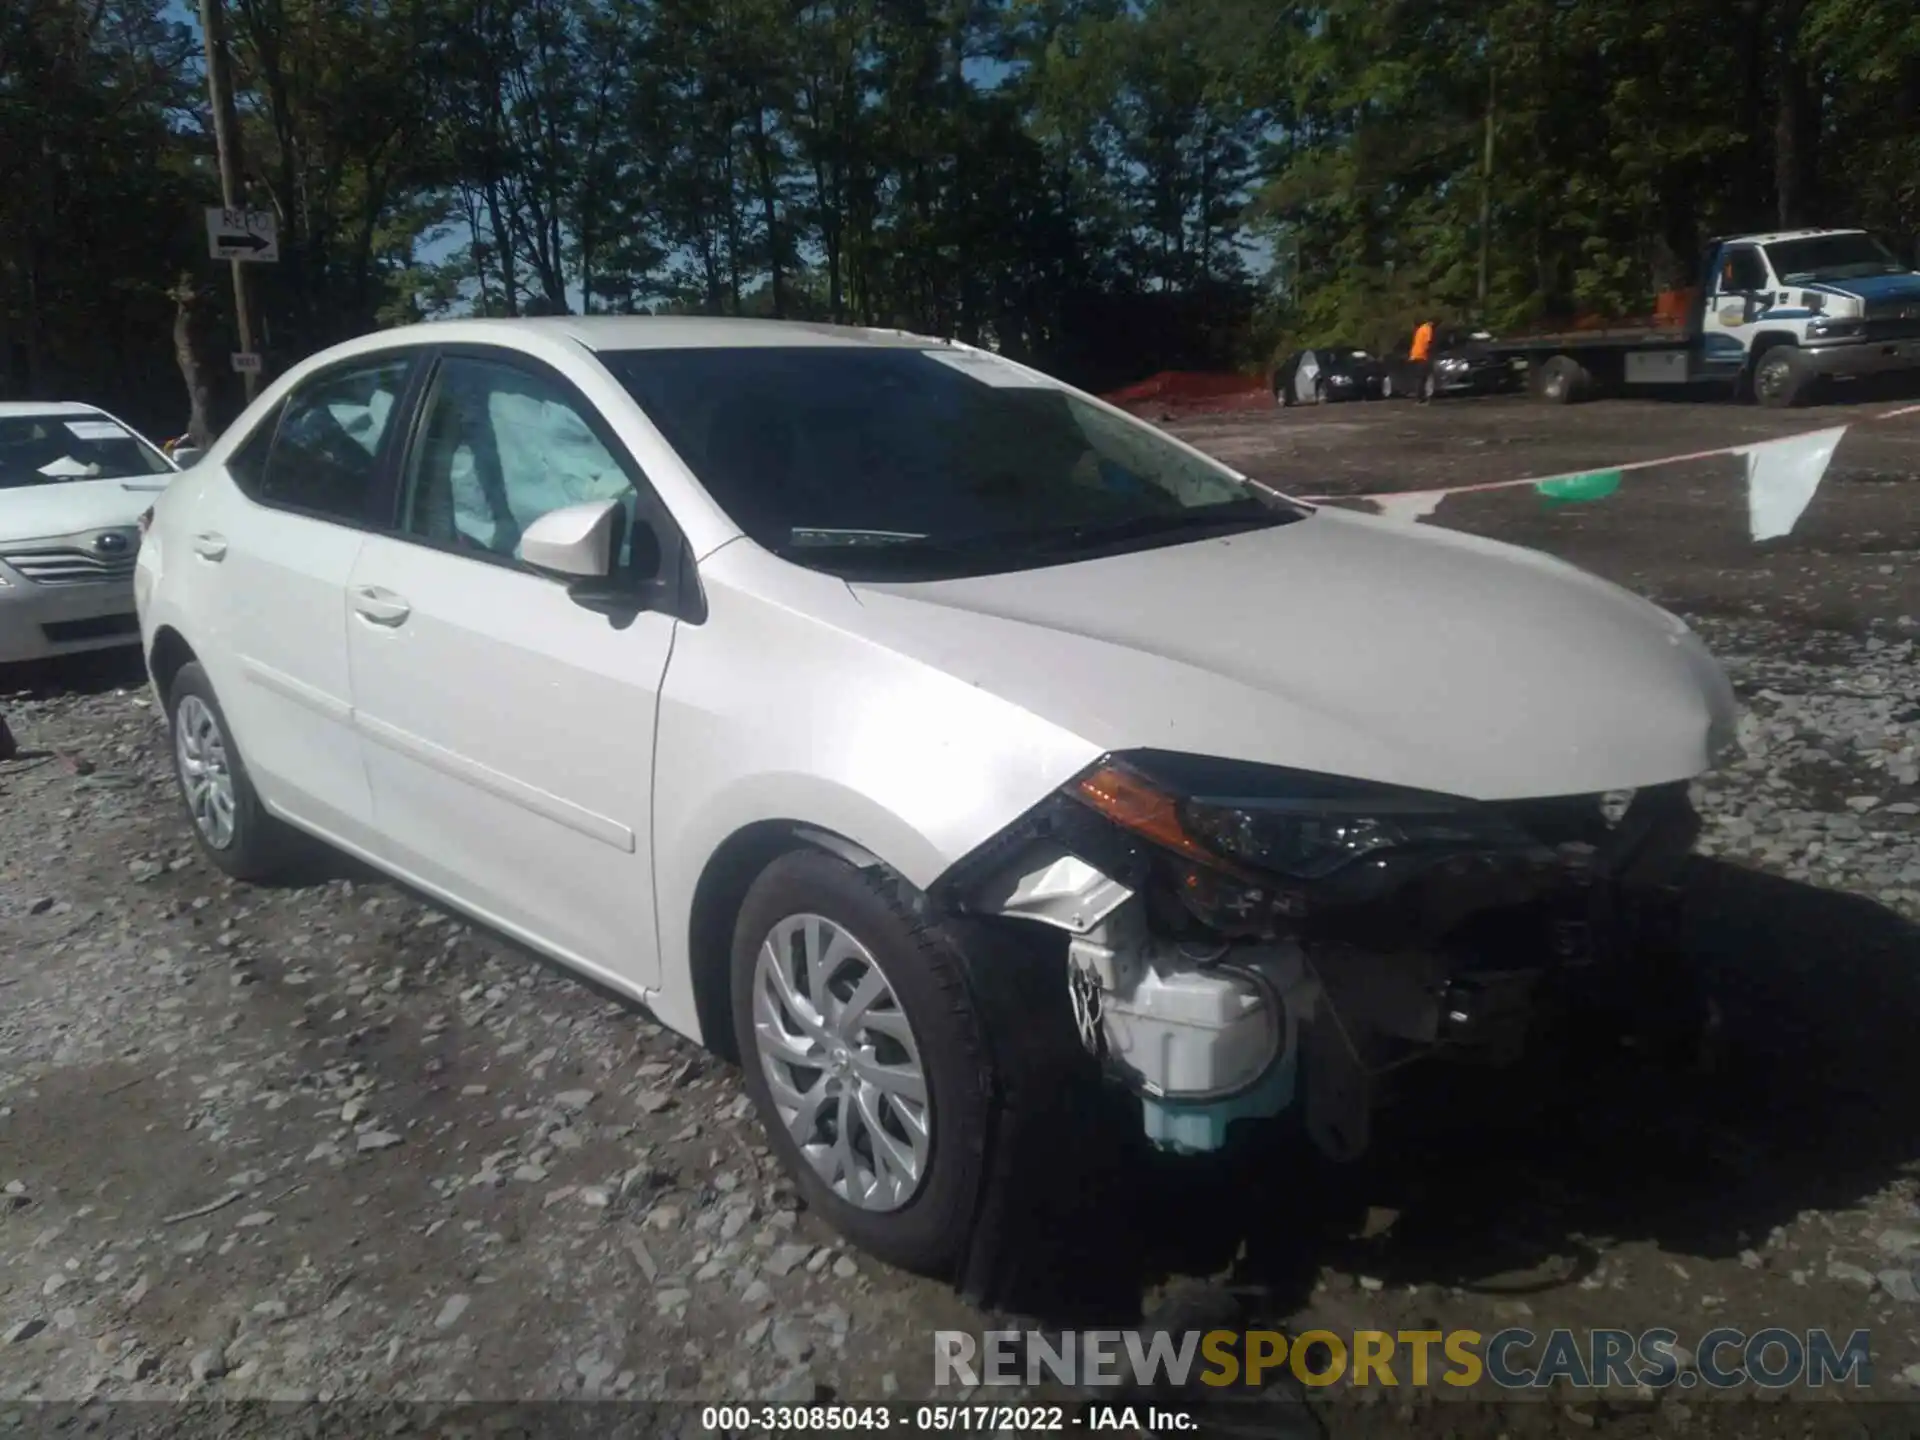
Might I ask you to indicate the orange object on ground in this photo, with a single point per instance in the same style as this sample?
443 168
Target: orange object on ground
1422 342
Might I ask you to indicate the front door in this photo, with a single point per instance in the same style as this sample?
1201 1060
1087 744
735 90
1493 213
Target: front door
508 731
1733 311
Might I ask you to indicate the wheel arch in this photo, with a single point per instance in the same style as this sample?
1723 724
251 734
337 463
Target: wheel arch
722 886
169 654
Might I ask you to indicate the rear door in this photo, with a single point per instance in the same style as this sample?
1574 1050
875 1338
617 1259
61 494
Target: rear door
508 731
271 547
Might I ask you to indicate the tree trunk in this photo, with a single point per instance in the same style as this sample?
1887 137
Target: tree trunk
1796 134
187 303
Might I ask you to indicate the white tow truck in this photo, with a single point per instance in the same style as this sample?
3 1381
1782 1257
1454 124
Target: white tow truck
1774 316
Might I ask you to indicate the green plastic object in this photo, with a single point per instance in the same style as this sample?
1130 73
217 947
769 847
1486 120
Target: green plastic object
1570 488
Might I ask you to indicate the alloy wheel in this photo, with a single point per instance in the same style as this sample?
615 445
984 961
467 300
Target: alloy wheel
206 775
842 1063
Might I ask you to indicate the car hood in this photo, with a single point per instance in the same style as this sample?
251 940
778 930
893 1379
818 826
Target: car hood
1874 289
38 512
1343 644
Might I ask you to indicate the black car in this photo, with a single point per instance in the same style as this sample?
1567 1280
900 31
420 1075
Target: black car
1332 372
1460 365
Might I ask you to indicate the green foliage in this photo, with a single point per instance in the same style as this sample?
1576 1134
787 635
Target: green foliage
1106 186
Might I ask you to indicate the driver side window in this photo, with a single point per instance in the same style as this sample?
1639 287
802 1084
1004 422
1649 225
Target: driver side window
1743 272
498 447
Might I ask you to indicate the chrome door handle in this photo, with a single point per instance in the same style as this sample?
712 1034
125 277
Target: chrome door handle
382 607
210 546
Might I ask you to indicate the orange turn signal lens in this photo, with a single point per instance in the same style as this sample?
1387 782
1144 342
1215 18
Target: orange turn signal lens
1134 803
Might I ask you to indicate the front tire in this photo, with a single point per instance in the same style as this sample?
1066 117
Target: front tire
229 823
864 1056
1780 380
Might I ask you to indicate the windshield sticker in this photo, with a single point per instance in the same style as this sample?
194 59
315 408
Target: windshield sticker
68 468
988 370
96 430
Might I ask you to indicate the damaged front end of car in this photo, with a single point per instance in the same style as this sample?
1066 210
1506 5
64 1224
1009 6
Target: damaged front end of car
1243 940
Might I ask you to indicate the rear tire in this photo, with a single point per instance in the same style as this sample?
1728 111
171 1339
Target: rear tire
1386 387
230 825
1319 392
1563 381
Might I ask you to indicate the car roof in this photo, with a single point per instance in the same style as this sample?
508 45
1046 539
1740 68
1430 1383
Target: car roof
645 332
18 409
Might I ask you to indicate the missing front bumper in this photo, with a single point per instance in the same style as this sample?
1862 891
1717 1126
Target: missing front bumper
1462 963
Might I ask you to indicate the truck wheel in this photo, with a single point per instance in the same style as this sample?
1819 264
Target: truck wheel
1386 387
1780 380
1284 394
1563 381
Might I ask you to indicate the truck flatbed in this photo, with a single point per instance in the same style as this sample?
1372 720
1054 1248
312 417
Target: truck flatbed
1640 334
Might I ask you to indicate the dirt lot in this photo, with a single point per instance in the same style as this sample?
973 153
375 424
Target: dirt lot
322 1141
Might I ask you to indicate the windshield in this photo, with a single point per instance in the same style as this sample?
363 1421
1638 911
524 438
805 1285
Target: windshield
1831 257
926 463
52 449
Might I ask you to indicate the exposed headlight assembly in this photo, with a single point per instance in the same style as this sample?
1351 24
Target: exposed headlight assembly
1261 842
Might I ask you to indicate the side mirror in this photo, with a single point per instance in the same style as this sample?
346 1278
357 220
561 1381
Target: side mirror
187 456
575 541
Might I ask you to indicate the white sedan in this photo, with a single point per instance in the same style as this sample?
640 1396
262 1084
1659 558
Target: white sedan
925 734
73 484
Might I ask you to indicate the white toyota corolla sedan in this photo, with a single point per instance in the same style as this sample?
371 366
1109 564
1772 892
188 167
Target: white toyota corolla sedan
922 733
73 483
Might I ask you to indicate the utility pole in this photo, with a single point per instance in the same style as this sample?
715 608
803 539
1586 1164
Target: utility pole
1487 185
1486 192
226 140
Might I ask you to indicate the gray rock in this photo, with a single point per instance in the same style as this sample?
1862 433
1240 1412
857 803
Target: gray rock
22 1330
1850 1274
1899 1242
845 1268
800 1388
788 1258
376 1140
255 1220
451 1312
208 1364
790 1342
1900 1285
574 1101
136 1367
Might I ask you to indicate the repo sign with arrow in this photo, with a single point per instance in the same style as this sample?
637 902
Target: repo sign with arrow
242 235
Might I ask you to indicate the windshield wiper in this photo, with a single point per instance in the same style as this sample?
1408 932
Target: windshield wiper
1141 527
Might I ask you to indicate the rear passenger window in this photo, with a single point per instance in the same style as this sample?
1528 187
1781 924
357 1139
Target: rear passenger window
326 450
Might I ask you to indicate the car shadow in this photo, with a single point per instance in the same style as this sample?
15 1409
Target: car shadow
91 672
1811 1103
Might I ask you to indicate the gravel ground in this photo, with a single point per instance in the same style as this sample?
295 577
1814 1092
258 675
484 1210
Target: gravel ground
325 1141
